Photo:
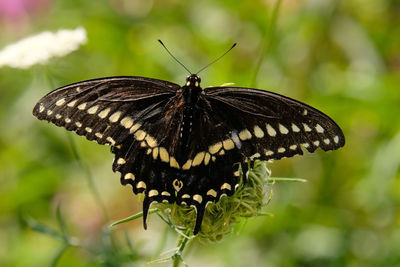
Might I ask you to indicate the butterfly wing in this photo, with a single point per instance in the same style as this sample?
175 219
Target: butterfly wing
271 126
106 109
139 117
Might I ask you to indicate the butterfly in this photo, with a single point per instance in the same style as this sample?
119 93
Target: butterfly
185 144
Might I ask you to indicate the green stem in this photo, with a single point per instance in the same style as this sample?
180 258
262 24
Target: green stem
266 41
58 255
177 257
281 179
133 217
89 176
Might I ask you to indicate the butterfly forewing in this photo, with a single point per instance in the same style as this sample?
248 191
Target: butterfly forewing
272 126
104 109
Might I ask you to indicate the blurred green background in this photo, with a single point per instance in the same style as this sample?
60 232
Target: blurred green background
342 57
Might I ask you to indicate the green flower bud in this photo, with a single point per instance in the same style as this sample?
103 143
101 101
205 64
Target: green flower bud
220 217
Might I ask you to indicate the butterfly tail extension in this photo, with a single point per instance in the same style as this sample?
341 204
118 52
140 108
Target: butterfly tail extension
200 209
146 207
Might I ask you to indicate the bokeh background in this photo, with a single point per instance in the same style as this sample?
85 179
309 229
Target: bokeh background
342 57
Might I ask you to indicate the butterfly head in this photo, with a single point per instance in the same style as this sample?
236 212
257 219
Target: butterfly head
193 80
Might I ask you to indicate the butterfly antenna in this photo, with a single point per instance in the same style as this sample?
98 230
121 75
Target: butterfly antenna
215 60
174 57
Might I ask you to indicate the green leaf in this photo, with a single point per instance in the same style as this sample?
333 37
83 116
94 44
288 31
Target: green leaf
133 217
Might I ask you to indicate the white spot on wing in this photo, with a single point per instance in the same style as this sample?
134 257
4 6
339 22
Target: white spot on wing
72 103
115 117
212 192
283 129
135 128
93 110
127 122
226 186
187 165
258 132
336 139
104 113
164 156
198 198
306 127
271 131
268 153
155 153
129 176
140 135
228 144
151 141
207 158
281 150
165 193
153 193
173 163
245 135
82 106
111 140
319 128
255 155
121 161
141 184
215 148
295 128
41 108
198 159
60 102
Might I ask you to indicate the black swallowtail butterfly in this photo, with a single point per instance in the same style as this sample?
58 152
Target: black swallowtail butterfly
184 144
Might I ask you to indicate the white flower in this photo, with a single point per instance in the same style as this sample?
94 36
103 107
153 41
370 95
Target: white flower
41 47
